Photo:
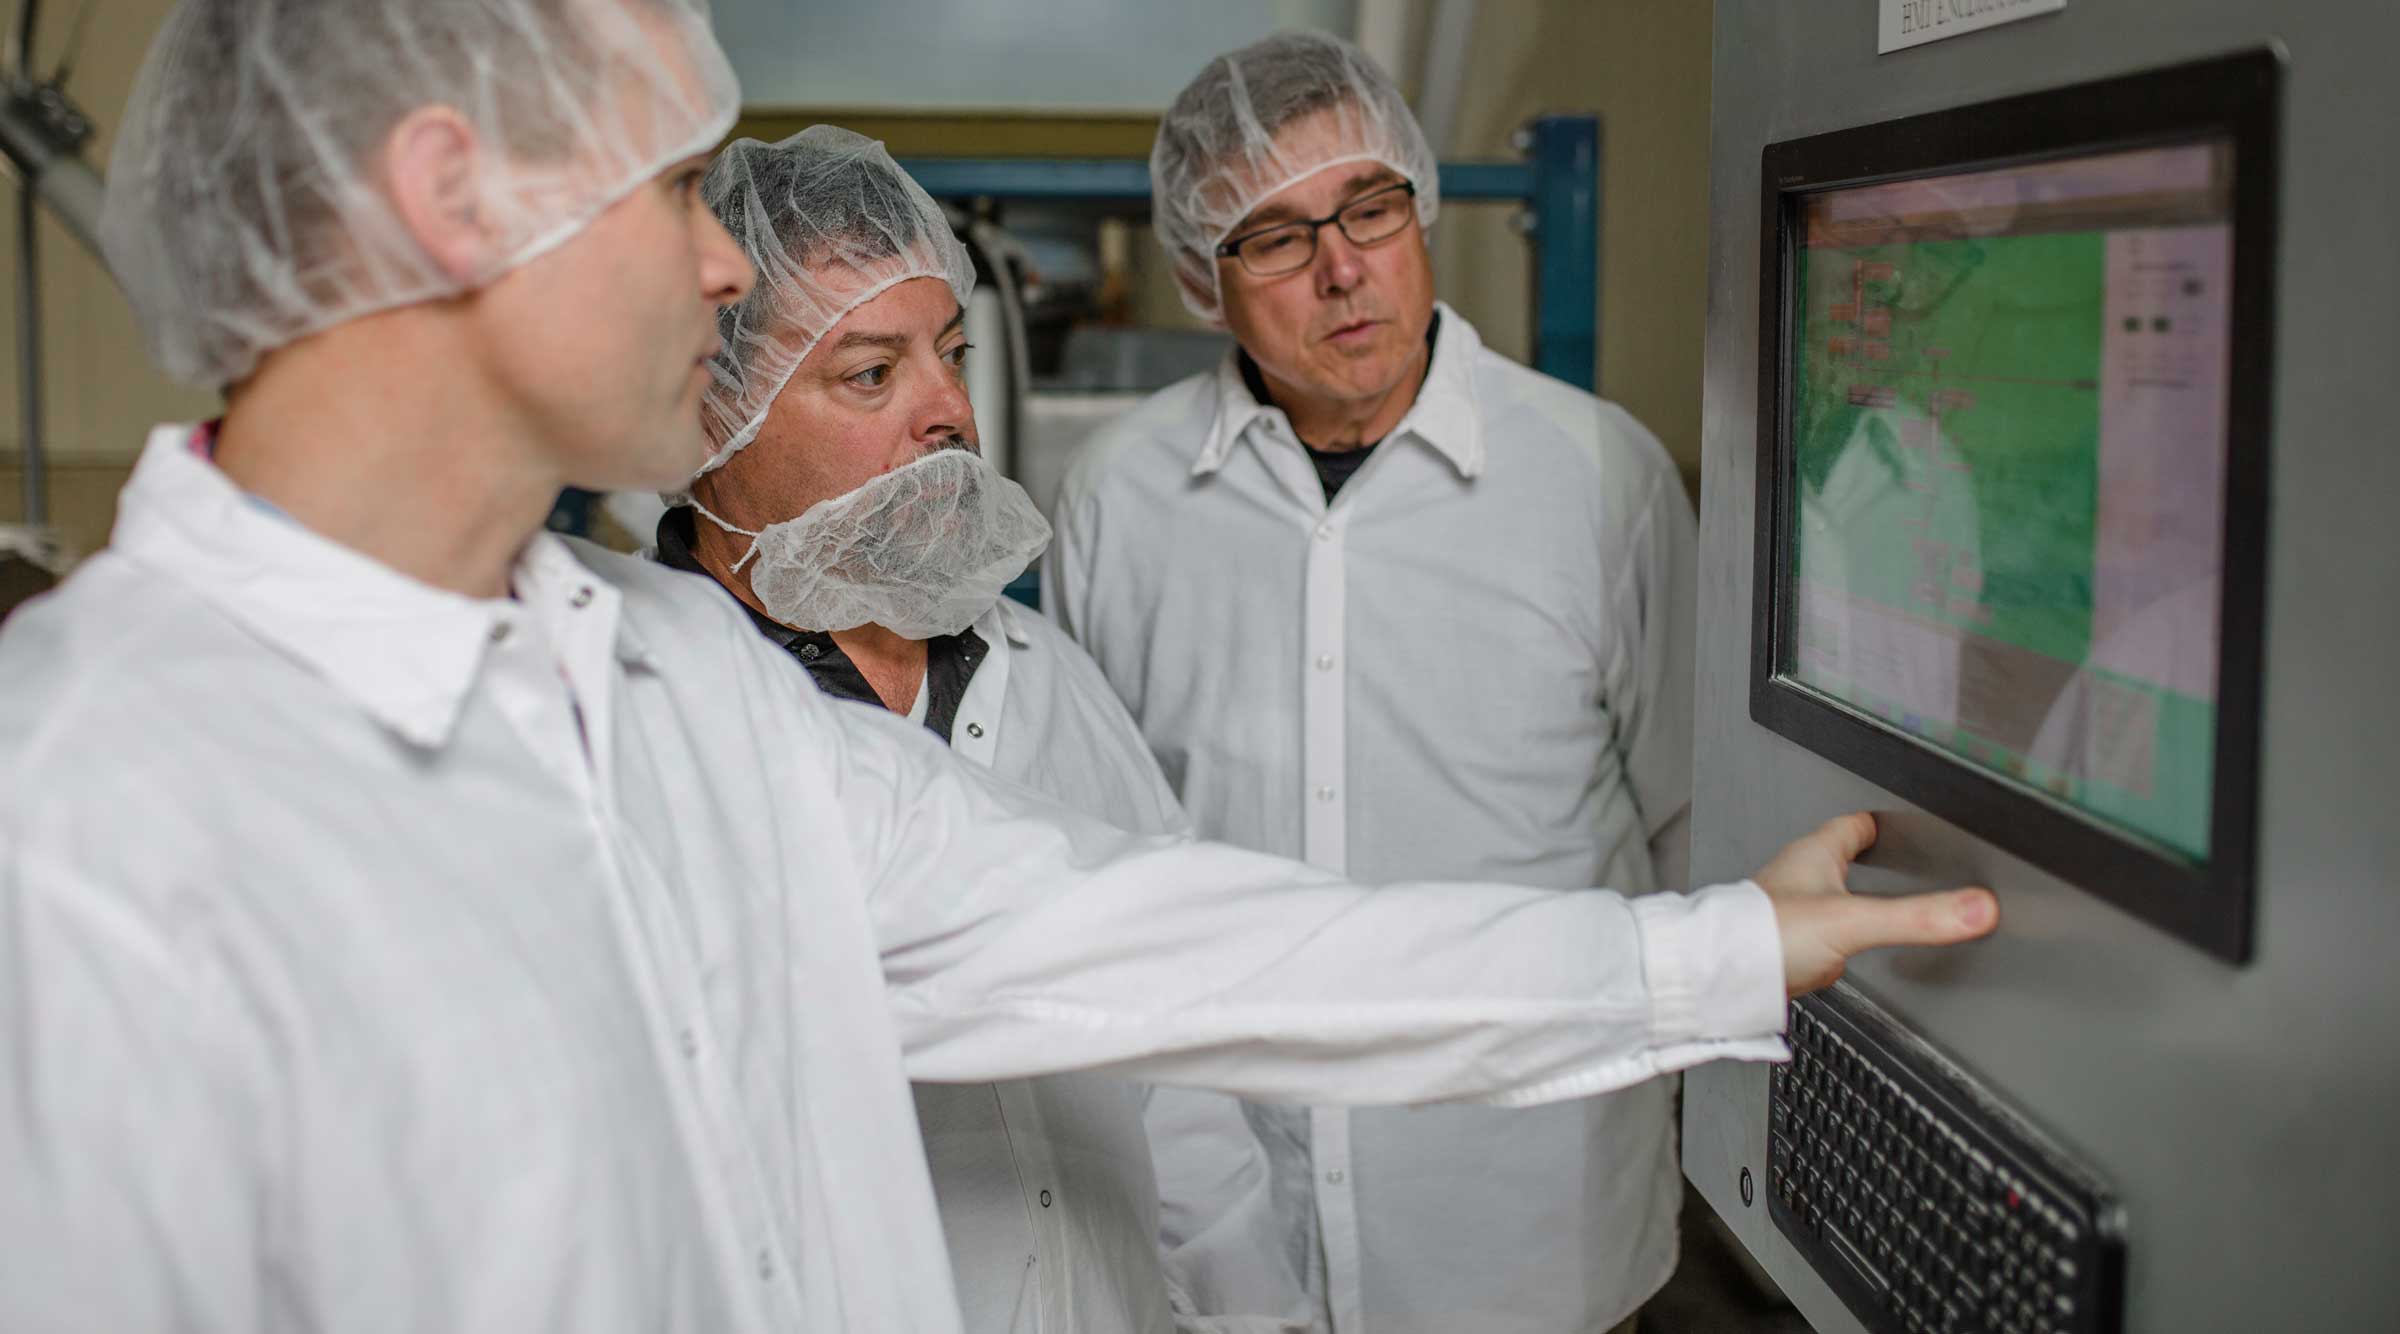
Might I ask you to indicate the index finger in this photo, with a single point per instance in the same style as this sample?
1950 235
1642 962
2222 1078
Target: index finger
1846 836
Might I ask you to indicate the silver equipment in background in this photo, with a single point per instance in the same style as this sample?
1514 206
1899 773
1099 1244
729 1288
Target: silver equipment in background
43 135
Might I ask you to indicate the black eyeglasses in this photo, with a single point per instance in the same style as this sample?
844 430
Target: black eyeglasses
1288 247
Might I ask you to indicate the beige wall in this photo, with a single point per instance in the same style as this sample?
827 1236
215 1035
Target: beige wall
1643 65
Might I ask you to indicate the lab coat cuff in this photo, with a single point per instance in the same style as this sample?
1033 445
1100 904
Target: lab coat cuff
1714 964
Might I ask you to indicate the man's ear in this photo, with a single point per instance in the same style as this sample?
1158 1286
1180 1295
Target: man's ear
431 164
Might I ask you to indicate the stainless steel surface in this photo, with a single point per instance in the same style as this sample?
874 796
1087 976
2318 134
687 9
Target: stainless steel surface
1002 254
988 381
69 187
2245 1115
1056 427
1449 39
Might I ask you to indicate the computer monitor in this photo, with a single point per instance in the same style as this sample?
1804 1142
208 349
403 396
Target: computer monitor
2013 416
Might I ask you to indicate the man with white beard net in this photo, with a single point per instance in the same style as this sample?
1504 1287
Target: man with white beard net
848 510
416 921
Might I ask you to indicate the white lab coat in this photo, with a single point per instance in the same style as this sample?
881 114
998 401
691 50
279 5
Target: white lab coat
1048 1202
1475 662
1039 713
383 959
1049 1205
1061 731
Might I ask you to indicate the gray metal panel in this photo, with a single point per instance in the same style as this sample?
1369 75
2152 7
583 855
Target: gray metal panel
2248 1117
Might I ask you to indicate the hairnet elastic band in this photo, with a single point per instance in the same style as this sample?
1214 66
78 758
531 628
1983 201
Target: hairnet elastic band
712 518
1321 168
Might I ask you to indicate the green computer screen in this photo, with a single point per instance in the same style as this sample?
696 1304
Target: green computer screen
2008 424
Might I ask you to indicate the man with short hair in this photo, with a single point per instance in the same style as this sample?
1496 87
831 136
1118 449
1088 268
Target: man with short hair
414 920
1389 602
840 424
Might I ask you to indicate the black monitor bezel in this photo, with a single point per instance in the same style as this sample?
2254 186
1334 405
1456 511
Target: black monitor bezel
2232 98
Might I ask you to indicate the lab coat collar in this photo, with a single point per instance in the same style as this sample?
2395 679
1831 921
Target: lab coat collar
1003 621
1443 417
407 653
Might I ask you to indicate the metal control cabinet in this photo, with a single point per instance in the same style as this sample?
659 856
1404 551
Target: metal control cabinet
2246 1117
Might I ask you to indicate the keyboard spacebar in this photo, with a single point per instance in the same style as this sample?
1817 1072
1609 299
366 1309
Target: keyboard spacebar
1857 1260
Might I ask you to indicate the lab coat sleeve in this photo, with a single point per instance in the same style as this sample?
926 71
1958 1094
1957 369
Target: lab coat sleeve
131 1136
1653 579
1019 938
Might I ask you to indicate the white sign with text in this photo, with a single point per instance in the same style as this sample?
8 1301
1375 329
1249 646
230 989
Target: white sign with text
1907 23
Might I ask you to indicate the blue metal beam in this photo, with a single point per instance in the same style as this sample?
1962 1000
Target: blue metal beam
1483 181
1031 178
1129 178
1565 216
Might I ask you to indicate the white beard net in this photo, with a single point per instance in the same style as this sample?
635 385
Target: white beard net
1256 121
243 207
830 222
921 550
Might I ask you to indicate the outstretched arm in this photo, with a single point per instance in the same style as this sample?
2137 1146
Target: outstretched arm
1020 938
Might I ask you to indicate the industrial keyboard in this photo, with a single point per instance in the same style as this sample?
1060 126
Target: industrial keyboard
1926 1206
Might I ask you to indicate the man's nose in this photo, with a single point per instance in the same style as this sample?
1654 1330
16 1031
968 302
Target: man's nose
1340 267
946 411
726 273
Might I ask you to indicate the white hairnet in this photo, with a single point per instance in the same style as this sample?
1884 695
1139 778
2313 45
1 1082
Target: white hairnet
244 208
1257 120
830 222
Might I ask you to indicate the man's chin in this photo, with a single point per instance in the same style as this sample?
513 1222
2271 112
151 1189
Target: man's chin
665 462
1351 381
1348 363
678 460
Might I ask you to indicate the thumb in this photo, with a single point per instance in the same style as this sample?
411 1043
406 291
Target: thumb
1944 918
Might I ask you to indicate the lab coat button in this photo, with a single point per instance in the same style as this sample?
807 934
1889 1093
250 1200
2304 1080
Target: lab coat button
1045 1199
766 1265
975 729
582 598
1325 794
1334 1177
500 631
1324 532
1324 662
689 1043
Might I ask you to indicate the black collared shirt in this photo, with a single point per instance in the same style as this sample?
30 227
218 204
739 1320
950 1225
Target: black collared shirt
1334 466
950 660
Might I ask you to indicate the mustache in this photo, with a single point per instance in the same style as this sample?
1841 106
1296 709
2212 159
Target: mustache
953 442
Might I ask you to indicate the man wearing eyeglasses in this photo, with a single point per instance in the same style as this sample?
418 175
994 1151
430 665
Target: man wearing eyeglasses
1383 599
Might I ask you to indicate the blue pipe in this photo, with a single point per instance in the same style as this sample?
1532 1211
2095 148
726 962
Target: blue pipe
1565 215
1129 179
